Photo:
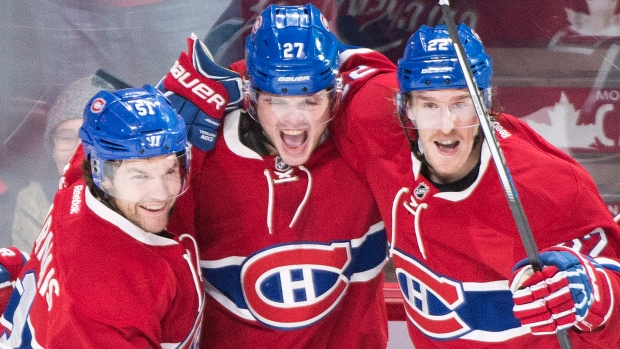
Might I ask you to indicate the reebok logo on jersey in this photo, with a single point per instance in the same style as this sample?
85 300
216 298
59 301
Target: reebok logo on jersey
500 130
76 199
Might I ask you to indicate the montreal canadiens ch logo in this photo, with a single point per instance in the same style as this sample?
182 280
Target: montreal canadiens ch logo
294 286
430 300
257 24
97 105
324 22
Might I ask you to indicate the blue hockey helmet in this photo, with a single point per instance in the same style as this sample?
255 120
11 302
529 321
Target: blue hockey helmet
291 51
429 61
132 123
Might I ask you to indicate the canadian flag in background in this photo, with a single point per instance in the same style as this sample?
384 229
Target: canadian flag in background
555 62
556 65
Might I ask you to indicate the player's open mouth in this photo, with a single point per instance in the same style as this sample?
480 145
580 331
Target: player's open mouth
447 146
294 139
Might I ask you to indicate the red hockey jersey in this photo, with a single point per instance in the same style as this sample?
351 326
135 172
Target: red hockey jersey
96 280
453 251
292 256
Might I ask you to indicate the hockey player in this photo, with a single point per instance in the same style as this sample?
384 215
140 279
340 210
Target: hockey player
458 255
291 244
104 272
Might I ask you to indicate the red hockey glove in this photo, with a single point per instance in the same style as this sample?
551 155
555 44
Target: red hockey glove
201 91
11 262
571 290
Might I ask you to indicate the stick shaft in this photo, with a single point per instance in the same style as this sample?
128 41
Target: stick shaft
498 157
496 152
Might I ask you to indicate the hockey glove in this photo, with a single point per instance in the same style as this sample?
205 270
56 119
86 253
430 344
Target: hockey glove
11 262
571 290
201 92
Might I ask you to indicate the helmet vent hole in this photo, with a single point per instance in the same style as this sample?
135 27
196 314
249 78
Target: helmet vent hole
284 90
155 130
304 89
447 81
427 82
111 146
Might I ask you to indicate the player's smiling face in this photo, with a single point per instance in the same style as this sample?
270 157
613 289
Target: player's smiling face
447 128
149 189
294 124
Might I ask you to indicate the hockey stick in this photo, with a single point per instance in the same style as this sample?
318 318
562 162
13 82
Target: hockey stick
498 157
110 79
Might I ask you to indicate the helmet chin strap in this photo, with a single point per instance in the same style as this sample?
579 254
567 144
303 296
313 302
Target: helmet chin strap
417 151
477 138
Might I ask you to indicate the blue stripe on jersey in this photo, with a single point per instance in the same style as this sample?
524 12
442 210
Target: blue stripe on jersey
481 310
367 255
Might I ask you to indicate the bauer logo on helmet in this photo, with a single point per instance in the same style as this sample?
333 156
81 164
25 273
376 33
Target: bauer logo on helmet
432 70
293 78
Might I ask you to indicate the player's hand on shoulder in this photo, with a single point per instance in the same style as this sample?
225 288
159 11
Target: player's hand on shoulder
571 290
201 92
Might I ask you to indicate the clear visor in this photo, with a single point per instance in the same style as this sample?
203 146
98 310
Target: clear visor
146 180
312 107
421 112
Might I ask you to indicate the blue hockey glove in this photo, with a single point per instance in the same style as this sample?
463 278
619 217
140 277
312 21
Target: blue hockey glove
571 290
201 92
